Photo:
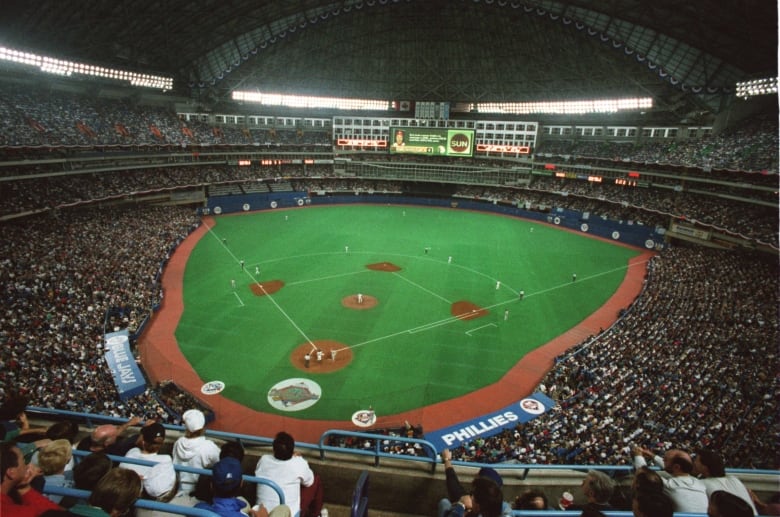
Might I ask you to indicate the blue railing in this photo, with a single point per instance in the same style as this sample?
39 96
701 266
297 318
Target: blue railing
140 503
360 497
192 470
376 450
431 456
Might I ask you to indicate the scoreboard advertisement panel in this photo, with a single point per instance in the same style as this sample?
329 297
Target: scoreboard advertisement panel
431 141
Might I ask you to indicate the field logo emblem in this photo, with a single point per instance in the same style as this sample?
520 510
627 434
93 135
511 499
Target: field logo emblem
364 418
294 394
212 388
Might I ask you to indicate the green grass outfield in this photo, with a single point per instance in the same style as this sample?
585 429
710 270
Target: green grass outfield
408 350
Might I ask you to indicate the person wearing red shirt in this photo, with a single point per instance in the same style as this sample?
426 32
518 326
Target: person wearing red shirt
18 498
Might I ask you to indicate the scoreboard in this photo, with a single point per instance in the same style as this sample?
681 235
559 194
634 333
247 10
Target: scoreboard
431 141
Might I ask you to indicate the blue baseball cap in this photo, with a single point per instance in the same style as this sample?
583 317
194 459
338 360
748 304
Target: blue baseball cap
226 474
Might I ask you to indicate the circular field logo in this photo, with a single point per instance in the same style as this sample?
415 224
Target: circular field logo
212 388
364 418
294 394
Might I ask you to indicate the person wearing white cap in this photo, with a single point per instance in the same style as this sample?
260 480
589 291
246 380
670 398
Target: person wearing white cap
193 449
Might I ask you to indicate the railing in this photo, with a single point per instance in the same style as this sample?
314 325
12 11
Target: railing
192 470
376 451
431 453
140 503
360 497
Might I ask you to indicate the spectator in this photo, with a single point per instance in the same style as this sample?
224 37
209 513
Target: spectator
288 470
86 474
485 499
597 488
226 480
13 419
17 497
686 492
770 508
725 504
456 492
152 439
107 438
203 489
708 466
531 500
53 459
193 449
160 484
113 496
61 430
647 481
652 504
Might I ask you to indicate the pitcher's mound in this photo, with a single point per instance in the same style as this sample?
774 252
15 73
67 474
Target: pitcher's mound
466 310
383 266
353 301
329 363
265 287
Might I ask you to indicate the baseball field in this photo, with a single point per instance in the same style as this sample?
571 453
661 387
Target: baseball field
409 306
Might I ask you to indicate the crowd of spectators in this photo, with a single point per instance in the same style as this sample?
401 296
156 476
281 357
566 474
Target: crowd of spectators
60 275
751 146
34 117
692 364
652 207
394 442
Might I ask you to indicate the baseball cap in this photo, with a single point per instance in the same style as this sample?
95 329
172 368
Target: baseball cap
160 480
226 474
194 420
153 432
492 475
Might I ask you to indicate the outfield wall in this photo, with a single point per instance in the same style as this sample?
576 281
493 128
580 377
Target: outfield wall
626 232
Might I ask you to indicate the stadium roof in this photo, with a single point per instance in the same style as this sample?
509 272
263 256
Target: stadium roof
686 55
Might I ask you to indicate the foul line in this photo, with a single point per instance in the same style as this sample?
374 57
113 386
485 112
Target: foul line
439 323
239 299
254 280
419 328
468 332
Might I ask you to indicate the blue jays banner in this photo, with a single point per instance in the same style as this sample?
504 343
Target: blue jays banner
492 423
127 377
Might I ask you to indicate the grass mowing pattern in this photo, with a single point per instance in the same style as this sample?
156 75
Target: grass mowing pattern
409 351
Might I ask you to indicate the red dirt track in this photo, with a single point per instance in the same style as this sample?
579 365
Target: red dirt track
162 360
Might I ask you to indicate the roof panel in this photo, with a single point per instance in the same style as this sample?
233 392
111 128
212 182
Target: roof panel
445 50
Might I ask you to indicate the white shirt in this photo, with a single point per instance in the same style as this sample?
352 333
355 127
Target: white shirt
137 454
687 493
731 485
195 452
289 475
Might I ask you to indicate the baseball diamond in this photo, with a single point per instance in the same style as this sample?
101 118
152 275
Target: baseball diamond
427 332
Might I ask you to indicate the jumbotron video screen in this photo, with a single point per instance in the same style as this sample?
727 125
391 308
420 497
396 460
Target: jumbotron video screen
431 142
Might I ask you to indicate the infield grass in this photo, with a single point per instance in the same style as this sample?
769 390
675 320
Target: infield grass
408 351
